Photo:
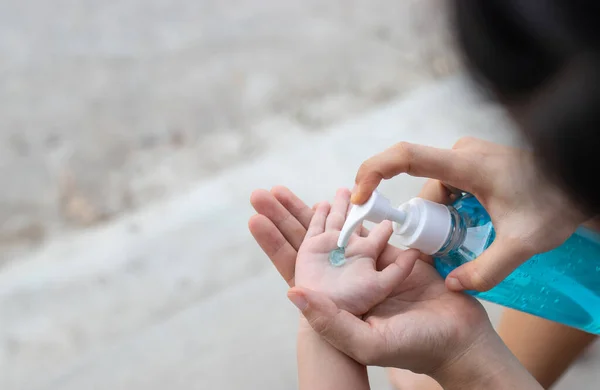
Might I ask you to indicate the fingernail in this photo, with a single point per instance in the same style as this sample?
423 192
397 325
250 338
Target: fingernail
454 284
354 197
298 300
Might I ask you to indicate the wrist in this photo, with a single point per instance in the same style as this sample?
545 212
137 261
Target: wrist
471 366
304 325
486 363
322 366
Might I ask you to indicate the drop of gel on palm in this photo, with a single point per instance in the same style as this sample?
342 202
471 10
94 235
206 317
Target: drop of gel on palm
337 257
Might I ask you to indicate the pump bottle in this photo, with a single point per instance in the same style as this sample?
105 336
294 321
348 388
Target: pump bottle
562 285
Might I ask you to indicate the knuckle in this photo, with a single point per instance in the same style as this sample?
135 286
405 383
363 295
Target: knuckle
464 142
405 154
404 148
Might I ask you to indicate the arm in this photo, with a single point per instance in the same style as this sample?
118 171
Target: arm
487 364
321 366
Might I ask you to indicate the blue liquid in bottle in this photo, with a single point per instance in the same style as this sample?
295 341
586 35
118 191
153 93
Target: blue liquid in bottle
562 285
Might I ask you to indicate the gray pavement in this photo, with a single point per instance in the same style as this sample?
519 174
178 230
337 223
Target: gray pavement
108 106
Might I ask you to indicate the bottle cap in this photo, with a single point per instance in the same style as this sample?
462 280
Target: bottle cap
426 227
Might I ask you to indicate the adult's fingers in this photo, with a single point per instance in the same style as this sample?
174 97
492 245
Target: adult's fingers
341 329
490 268
293 204
337 215
290 227
416 160
275 246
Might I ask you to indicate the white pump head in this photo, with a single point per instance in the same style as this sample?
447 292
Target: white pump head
426 227
376 209
419 223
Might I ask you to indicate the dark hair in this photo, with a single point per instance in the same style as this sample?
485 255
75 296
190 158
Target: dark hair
541 59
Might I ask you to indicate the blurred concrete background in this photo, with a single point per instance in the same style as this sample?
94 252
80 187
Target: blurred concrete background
132 135
108 106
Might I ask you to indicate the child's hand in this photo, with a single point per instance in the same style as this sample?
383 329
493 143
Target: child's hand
357 285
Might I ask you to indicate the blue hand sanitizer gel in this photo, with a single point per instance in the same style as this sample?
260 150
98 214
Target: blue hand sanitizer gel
561 285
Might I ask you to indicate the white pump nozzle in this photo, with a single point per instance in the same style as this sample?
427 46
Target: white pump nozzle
377 209
419 223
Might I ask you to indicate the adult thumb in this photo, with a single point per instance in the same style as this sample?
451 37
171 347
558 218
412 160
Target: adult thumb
489 269
339 328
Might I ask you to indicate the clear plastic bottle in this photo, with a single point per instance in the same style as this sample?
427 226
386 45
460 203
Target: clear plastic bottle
562 285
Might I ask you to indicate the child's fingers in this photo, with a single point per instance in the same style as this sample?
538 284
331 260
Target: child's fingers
380 236
317 223
397 272
337 216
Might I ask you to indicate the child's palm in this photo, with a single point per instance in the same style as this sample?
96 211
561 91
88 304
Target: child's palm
356 285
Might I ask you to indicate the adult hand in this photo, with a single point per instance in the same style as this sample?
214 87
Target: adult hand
421 327
530 214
